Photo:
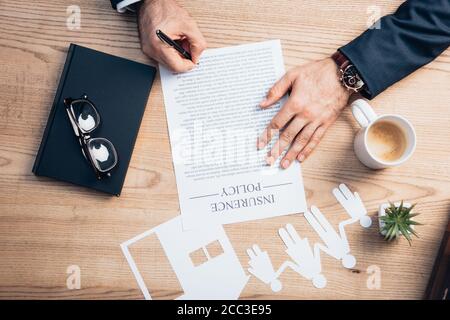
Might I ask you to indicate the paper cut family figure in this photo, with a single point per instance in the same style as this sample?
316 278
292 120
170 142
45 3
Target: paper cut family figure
336 244
305 258
306 261
353 204
222 276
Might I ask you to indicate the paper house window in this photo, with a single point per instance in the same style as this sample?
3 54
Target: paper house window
208 252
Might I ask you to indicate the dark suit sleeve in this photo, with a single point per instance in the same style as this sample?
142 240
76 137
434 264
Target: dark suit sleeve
114 3
413 36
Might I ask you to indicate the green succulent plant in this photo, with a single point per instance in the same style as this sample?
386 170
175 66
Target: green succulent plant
398 221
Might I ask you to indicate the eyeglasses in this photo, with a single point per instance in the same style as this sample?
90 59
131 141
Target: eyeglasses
100 152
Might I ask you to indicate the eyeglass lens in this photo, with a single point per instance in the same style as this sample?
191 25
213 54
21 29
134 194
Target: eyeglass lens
103 153
85 114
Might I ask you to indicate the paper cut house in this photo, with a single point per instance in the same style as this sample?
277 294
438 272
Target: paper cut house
220 274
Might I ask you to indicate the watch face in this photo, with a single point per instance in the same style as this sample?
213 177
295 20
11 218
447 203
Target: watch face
351 78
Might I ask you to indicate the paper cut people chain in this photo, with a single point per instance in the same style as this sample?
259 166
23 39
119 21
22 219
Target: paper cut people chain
305 258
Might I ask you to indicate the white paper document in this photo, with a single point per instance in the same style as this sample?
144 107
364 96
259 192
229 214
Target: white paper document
214 121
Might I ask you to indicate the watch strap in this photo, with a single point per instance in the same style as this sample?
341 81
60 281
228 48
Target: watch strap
340 59
343 62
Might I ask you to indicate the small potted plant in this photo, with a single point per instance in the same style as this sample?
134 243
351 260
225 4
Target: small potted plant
395 220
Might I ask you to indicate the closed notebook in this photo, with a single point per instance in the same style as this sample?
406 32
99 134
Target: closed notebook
119 89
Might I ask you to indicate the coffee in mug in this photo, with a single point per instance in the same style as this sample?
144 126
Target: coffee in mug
383 141
386 141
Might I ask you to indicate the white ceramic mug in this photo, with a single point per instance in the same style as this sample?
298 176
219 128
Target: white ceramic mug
366 117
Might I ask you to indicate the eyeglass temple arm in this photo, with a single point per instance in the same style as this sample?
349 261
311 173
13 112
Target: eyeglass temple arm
72 122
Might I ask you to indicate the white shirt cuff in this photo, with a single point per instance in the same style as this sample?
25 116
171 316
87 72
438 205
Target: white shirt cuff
123 5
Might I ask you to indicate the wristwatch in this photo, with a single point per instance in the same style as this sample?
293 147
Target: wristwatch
349 75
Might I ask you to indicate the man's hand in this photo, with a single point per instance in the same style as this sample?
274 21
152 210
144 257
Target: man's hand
317 98
178 25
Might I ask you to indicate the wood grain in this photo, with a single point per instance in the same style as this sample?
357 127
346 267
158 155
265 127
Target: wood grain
46 226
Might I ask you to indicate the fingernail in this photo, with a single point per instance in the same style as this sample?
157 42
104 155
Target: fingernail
263 103
261 145
301 158
285 164
270 160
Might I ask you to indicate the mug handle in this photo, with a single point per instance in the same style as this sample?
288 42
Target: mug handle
363 112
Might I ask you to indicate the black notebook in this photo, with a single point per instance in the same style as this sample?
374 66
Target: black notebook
119 88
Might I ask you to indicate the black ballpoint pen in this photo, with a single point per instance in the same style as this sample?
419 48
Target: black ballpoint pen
164 38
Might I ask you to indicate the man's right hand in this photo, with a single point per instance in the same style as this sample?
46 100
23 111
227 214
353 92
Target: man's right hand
317 98
176 22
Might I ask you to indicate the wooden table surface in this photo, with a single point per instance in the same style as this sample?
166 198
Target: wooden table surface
46 225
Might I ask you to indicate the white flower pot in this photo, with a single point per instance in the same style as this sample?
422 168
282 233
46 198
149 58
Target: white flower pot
382 212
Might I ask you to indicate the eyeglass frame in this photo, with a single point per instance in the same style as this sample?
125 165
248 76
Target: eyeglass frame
84 135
